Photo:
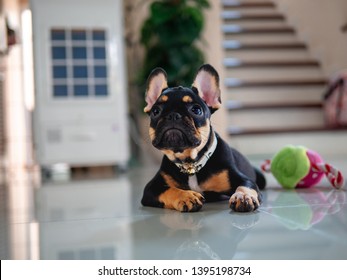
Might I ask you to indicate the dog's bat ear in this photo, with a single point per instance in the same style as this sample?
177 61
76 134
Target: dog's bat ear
207 84
156 82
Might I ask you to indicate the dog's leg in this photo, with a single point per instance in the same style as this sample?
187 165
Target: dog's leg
246 196
244 199
164 192
181 200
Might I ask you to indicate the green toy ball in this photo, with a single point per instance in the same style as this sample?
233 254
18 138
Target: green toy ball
299 167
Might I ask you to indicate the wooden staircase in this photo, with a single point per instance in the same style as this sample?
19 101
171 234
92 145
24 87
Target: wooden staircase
274 86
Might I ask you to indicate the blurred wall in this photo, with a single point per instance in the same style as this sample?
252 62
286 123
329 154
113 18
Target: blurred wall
318 23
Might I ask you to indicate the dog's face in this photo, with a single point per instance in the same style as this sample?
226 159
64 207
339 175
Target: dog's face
180 116
179 120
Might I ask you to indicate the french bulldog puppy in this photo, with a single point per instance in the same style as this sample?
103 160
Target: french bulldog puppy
197 162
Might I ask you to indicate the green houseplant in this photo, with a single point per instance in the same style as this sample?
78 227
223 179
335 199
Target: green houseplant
169 36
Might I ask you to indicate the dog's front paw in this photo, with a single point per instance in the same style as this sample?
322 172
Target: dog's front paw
182 200
189 201
244 200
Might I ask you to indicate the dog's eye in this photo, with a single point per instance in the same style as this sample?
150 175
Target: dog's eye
197 110
155 111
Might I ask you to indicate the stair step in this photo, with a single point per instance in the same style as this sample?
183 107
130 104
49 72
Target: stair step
255 11
275 118
260 24
230 16
246 4
237 45
239 23
294 94
238 63
238 29
262 38
235 131
233 105
273 73
264 55
238 83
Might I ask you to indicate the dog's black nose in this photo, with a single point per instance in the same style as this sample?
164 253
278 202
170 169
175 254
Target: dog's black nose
173 116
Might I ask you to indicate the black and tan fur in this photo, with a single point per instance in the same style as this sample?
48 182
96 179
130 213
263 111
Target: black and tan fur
180 127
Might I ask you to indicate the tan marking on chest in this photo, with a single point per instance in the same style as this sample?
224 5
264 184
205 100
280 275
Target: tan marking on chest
218 183
169 180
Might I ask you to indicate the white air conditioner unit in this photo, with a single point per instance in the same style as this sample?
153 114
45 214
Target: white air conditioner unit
80 115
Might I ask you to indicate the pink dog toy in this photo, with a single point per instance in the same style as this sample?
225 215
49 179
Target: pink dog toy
298 167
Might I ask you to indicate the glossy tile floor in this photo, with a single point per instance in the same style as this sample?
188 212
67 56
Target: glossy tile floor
103 219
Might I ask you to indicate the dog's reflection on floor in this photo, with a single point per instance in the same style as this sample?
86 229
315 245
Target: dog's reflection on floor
203 235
